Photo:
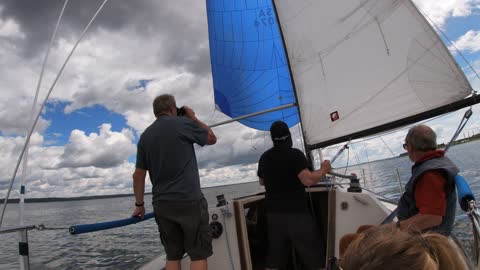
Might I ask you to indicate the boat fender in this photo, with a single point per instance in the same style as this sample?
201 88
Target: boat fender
216 228
464 193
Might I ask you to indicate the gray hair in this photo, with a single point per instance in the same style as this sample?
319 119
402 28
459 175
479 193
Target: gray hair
422 138
162 104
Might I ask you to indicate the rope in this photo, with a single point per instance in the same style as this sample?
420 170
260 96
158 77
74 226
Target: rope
381 196
45 228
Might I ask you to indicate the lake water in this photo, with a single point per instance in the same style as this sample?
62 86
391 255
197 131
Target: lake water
130 247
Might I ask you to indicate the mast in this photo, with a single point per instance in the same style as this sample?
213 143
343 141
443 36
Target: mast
308 151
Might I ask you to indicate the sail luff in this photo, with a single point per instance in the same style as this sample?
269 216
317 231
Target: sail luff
305 145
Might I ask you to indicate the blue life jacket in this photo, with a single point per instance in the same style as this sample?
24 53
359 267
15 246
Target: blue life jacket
407 205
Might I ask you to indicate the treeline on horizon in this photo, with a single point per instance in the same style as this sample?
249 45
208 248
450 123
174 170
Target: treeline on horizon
82 198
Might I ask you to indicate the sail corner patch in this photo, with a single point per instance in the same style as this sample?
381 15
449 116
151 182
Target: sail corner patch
334 116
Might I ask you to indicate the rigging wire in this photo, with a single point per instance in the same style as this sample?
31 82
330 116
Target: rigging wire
451 43
302 141
348 159
368 163
381 196
358 164
393 154
43 106
32 114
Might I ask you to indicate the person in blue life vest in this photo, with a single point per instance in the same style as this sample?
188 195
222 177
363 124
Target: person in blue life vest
284 171
165 149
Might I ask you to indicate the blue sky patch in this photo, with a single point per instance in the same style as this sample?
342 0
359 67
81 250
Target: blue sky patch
140 84
86 119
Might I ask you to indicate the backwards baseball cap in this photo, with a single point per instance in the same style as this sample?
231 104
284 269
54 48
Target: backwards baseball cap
280 134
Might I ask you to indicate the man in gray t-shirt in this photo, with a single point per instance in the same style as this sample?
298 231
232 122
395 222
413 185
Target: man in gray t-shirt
166 151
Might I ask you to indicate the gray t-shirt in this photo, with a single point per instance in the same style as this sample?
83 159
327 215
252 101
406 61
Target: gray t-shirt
165 150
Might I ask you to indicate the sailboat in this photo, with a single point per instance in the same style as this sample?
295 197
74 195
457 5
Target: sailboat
342 70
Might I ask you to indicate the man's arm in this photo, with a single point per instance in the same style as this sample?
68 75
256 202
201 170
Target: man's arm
262 183
212 139
139 191
421 222
431 201
309 178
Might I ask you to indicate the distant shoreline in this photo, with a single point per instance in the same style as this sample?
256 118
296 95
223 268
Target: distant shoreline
83 198
57 199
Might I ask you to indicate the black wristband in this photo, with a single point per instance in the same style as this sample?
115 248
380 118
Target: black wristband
139 204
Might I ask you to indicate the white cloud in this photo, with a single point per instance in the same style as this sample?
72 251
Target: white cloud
10 29
85 156
469 42
440 11
103 150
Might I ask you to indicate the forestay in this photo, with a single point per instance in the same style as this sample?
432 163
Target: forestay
358 64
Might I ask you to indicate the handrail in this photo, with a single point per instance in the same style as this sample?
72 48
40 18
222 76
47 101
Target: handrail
86 228
474 217
21 228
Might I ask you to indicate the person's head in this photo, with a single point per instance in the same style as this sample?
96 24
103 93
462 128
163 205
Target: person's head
420 139
280 134
164 105
390 248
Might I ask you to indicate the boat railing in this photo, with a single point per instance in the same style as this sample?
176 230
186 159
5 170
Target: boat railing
474 216
23 244
23 248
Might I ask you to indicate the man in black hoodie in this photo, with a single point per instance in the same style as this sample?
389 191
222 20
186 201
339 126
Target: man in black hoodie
285 173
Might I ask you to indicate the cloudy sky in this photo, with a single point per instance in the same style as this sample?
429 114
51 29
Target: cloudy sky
85 140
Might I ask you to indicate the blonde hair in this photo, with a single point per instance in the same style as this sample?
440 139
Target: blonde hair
389 248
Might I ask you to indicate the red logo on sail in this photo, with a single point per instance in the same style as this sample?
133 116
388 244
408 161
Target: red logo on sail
334 116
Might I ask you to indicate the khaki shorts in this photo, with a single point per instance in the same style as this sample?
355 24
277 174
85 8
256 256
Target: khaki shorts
184 228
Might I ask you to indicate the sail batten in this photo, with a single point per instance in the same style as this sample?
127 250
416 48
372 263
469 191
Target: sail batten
361 65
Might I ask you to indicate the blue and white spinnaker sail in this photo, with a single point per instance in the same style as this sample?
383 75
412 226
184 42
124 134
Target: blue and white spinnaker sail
249 66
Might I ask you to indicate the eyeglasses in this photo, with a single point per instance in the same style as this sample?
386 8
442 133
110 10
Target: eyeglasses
405 146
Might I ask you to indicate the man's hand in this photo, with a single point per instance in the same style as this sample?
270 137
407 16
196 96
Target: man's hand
139 212
326 166
189 112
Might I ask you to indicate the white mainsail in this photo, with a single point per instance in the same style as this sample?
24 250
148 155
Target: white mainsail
370 62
